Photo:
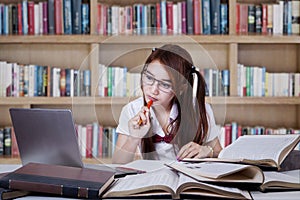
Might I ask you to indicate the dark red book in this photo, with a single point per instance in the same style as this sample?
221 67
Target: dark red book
264 18
59 180
158 18
183 17
227 134
89 141
58 17
170 16
197 17
244 18
237 22
20 24
30 17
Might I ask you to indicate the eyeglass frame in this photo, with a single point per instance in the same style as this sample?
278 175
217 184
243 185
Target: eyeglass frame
159 82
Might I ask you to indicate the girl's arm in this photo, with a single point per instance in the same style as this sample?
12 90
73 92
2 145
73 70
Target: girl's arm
125 150
127 145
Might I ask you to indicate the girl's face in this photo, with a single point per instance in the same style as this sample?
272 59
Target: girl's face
157 85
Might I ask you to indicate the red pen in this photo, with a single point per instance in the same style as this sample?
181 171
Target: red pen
149 104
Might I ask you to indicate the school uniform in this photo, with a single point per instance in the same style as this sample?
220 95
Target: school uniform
165 151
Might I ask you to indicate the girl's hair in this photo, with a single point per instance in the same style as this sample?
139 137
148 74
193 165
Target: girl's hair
191 123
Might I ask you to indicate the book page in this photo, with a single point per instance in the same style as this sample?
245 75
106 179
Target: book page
145 165
281 177
257 147
146 182
211 169
190 186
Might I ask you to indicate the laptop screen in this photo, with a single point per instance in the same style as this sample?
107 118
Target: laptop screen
46 136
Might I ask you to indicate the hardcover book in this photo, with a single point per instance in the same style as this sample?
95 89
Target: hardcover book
59 180
168 183
266 151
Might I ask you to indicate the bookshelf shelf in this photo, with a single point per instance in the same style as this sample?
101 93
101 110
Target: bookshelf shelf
107 101
148 39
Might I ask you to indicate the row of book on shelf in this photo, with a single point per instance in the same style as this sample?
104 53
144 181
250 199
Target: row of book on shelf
281 17
98 141
45 17
256 81
164 17
230 132
31 80
72 17
117 81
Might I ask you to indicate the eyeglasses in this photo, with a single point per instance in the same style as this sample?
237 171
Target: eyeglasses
162 85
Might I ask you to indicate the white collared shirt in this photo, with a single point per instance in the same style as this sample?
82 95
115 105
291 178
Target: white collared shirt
165 151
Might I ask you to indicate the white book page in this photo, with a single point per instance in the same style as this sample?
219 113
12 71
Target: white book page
146 165
201 185
164 177
278 176
213 169
257 147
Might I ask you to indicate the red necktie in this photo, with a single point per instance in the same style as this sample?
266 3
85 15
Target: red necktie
167 138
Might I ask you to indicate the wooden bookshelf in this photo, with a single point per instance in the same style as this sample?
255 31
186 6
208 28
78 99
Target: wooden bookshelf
278 53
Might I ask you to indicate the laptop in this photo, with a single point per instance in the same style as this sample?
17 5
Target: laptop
46 136
49 136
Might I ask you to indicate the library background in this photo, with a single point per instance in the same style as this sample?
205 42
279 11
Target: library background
86 56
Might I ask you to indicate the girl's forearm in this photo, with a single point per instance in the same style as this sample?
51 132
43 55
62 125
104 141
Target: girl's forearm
125 153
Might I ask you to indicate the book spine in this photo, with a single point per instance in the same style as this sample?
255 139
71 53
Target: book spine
206 17
215 16
76 17
7 141
190 17
58 189
51 21
67 17
251 18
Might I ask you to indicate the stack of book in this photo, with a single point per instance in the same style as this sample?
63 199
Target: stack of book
234 175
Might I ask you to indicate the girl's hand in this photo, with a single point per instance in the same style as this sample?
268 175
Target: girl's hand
139 125
194 150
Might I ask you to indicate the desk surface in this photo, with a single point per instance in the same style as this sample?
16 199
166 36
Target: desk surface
291 195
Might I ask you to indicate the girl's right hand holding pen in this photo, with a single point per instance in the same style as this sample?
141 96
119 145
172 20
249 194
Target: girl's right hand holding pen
139 125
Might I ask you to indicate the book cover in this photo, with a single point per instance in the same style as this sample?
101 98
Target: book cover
59 180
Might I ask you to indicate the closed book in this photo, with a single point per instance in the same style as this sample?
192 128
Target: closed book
190 17
51 21
215 16
59 180
251 18
76 16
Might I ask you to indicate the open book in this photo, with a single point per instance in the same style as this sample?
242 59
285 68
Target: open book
275 181
166 182
267 151
237 175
